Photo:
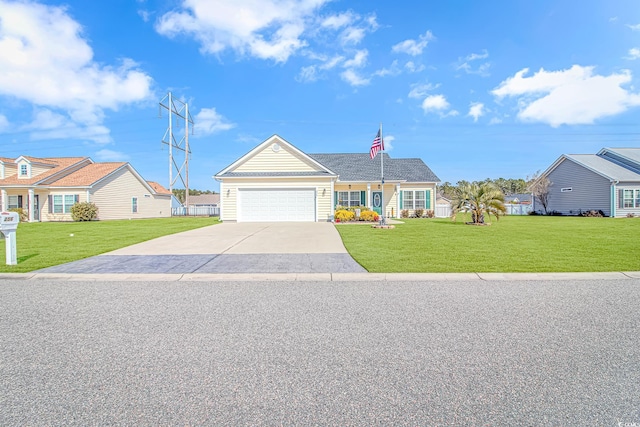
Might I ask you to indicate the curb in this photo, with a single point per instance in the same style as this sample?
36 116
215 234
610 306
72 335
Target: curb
322 277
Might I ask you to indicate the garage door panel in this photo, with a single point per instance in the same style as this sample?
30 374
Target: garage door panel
276 205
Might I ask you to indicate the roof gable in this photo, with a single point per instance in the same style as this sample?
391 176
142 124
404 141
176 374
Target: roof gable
598 165
275 156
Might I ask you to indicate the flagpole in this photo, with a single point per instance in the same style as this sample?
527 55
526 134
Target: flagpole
383 222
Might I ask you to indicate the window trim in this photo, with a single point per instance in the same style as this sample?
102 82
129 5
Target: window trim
409 197
566 190
350 201
64 205
134 205
25 167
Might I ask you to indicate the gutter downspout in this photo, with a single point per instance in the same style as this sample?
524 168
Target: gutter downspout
613 198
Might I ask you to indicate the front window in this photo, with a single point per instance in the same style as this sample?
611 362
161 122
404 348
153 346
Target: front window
63 203
24 170
12 202
414 199
134 204
349 198
627 199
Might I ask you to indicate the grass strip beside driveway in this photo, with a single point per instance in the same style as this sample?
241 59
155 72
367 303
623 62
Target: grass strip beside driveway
513 244
43 244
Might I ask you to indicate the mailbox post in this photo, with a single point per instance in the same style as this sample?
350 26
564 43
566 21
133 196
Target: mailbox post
8 226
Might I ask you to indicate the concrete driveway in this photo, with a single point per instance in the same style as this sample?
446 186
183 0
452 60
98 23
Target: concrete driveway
229 248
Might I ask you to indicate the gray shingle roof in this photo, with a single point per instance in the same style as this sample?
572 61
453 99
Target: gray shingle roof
359 167
604 167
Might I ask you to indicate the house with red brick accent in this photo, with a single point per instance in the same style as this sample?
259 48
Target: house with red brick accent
46 188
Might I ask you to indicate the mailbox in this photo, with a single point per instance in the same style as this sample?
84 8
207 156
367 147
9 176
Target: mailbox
8 226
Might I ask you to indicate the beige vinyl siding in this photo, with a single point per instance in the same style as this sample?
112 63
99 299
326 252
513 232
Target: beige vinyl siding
229 196
10 169
45 215
37 170
284 160
430 192
113 196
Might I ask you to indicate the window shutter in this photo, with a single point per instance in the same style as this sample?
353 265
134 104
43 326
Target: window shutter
401 201
335 197
50 204
77 198
621 198
20 202
427 202
363 198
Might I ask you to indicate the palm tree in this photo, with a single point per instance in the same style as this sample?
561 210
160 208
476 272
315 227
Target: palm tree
478 199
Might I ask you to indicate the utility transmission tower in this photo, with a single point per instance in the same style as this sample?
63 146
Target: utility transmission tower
179 110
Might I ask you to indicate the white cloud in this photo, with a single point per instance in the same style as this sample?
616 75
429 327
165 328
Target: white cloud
46 61
634 53
413 47
307 74
635 27
358 61
331 63
393 70
466 64
338 21
476 110
208 121
495 121
435 103
420 90
388 140
353 78
352 36
105 155
411 67
266 29
572 96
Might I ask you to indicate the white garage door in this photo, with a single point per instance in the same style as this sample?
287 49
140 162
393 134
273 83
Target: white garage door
276 205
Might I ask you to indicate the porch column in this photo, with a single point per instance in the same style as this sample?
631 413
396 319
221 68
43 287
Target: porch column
369 204
398 201
31 204
4 200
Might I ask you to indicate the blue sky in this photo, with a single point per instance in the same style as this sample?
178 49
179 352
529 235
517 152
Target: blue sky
476 89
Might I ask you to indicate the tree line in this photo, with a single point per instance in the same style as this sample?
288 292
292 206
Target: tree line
507 186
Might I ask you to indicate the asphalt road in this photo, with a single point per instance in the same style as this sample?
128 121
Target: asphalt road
314 353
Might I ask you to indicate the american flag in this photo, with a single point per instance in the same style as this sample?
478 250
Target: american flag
377 145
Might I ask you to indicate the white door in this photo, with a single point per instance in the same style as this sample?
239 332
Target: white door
261 205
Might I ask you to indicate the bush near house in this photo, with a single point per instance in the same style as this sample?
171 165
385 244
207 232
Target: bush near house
84 211
369 216
21 212
343 215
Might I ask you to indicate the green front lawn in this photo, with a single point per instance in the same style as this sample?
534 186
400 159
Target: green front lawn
513 244
43 244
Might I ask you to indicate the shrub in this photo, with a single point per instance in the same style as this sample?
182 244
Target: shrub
404 213
84 211
555 213
344 215
593 213
429 213
369 216
418 213
21 212
630 215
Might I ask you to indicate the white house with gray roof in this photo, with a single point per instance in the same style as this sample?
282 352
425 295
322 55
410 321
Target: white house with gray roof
608 181
278 182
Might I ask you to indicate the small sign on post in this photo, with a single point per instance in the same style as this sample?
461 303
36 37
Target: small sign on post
8 226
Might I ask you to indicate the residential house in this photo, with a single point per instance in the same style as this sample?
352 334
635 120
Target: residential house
278 182
608 181
46 188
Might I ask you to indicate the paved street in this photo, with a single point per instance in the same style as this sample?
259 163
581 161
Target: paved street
483 352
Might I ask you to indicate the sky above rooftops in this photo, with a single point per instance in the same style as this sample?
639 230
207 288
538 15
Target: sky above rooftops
475 89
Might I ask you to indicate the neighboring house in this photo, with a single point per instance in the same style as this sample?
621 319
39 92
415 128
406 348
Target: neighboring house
278 182
608 181
521 198
46 188
204 200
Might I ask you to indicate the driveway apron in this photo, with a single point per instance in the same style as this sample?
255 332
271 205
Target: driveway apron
229 248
